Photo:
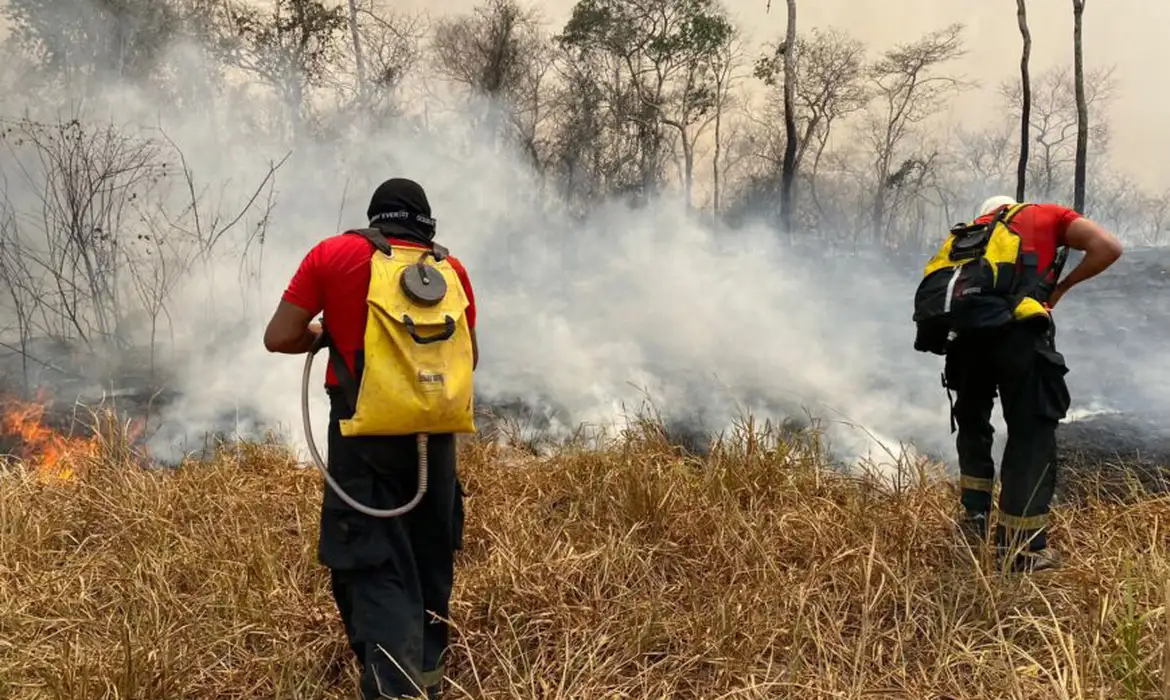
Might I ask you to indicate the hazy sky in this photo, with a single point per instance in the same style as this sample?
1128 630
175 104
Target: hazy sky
1129 34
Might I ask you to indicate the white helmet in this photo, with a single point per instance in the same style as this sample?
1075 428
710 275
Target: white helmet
992 203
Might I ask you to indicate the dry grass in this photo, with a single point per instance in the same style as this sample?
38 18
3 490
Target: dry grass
626 573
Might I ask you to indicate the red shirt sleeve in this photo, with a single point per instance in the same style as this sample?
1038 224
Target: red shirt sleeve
306 289
465 281
1061 217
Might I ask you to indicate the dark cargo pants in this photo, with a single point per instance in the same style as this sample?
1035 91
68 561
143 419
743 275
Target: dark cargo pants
392 576
1021 364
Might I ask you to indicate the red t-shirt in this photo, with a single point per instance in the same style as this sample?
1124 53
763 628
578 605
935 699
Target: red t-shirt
334 277
1042 228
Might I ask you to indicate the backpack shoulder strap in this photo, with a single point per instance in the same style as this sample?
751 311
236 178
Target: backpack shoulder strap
1046 279
379 241
345 378
376 237
1005 214
1011 212
1058 261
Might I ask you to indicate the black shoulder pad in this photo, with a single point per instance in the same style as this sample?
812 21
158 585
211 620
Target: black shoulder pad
965 228
375 237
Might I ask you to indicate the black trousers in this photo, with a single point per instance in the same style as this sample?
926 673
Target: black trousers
1021 364
392 576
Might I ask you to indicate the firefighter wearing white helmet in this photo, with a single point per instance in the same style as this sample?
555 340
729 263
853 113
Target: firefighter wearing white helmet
985 303
992 203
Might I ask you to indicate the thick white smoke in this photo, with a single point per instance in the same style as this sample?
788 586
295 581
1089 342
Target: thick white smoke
584 316
588 316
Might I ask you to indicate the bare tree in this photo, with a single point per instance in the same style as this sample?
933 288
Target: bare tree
1026 103
98 268
78 43
651 60
391 47
1157 208
788 173
723 66
1054 125
488 50
155 272
291 47
908 92
84 183
982 157
355 35
206 225
23 289
830 67
499 54
1082 107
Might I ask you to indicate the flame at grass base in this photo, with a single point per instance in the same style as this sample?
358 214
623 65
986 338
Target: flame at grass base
52 456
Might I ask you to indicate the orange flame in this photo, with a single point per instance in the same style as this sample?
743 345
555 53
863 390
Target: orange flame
53 456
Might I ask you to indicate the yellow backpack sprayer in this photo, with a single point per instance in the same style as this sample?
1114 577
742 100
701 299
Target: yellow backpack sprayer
414 382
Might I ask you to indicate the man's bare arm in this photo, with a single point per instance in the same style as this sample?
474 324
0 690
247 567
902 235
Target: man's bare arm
1101 249
290 331
474 350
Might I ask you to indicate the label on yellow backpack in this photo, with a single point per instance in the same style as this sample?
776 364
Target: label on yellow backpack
418 359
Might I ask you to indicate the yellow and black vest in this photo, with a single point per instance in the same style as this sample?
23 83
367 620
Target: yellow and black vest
983 276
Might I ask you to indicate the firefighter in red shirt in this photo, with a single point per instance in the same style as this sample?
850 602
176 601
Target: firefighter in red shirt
391 577
1019 361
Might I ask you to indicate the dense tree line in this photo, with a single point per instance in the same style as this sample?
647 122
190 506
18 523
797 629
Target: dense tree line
819 135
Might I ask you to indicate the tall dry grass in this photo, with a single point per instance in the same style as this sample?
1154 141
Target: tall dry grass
630 572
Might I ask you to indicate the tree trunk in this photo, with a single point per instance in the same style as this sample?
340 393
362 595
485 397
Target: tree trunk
1082 109
878 213
357 48
715 161
1026 108
788 173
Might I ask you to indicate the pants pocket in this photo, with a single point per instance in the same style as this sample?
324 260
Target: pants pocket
351 464
349 539
1054 400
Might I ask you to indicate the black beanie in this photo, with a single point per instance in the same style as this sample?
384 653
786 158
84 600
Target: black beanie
400 206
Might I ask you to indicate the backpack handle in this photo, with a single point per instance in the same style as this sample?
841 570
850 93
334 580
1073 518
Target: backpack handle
446 333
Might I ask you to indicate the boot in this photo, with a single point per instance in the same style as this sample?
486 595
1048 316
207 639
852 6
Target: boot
973 528
1040 560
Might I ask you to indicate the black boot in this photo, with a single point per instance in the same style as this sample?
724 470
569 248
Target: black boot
1032 561
973 528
